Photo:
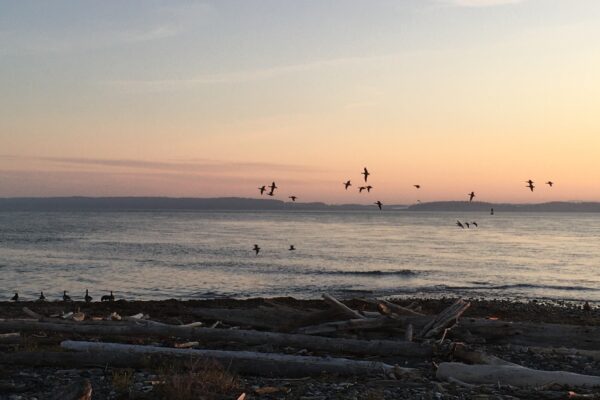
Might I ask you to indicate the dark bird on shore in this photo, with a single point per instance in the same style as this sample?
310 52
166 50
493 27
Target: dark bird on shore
360 189
293 198
366 173
492 211
471 195
378 204
256 249
15 297
369 188
347 184
475 224
87 297
417 186
108 297
550 183
587 307
458 223
262 189
42 297
530 185
292 248
468 225
66 297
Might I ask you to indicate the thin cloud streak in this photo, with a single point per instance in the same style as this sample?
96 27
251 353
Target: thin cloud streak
481 3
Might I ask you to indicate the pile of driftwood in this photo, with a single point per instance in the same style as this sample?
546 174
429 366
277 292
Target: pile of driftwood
279 340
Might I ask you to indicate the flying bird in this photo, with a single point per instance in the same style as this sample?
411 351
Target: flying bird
273 186
492 211
417 186
262 189
87 297
292 248
471 195
366 173
530 185
347 184
369 188
256 249
15 297
379 204
360 189
550 183
271 193
42 297
458 223
293 198
468 225
66 297
475 223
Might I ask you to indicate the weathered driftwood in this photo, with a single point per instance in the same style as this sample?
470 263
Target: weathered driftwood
385 307
248 337
477 357
250 362
352 324
445 319
335 303
10 338
512 375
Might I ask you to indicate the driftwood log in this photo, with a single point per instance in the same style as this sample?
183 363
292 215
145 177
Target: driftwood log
264 364
511 375
248 337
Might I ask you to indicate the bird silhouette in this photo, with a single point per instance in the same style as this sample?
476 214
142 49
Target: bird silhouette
271 193
256 249
369 187
347 184
273 186
42 297
360 189
471 195
530 184
262 189
87 297
468 225
550 183
107 297
293 198
66 297
15 297
475 224
417 186
379 204
458 223
366 173
292 248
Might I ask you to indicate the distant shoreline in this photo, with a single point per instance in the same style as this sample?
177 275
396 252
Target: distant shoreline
250 204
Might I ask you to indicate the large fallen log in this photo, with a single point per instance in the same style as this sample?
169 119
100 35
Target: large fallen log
511 375
264 364
445 319
248 337
352 324
335 303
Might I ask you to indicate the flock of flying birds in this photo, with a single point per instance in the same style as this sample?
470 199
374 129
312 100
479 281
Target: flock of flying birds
262 189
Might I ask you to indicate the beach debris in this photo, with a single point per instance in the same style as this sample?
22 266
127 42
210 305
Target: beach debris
445 319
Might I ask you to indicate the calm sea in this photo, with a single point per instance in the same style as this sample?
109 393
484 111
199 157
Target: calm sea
189 255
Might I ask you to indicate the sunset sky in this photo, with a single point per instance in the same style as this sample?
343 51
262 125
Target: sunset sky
203 99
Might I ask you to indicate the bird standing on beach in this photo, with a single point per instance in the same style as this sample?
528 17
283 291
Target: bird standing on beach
15 297
458 223
293 198
107 297
550 183
262 189
256 249
379 204
492 211
42 297
292 248
366 173
530 185
66 297
347 184
471 195
87 297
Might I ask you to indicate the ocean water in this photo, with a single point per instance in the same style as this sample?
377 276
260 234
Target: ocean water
190 255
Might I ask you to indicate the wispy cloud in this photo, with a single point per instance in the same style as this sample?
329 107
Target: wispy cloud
481 3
